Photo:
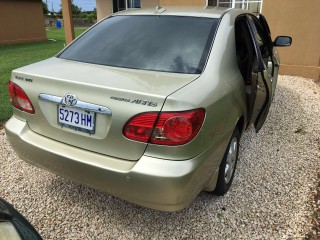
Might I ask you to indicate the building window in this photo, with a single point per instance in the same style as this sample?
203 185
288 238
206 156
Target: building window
133 4
254 6
121 5
212 3
224 3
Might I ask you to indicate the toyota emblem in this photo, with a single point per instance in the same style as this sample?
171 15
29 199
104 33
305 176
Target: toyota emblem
70 99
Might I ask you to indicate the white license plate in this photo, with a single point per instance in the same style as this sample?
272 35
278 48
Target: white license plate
77 119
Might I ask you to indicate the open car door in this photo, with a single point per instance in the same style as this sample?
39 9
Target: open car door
261 85
274 61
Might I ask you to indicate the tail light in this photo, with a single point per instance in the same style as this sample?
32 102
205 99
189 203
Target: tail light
19 98
169 128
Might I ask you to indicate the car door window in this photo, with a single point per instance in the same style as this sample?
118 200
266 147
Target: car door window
265 26
252 54
247 59
263 40
244 50
274 63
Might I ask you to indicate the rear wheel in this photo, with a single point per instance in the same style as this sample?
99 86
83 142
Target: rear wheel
228 165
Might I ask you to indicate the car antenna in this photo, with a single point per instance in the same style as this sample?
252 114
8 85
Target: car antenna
159 10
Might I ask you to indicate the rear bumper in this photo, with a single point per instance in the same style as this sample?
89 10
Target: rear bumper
155 183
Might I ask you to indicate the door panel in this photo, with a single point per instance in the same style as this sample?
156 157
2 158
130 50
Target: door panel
261 92
273 62
276 61
263 100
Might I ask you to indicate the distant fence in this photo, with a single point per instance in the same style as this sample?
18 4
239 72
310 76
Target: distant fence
77 22
80 22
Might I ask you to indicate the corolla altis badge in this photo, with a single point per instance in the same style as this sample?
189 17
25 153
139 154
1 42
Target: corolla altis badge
136 101
23 79
70 99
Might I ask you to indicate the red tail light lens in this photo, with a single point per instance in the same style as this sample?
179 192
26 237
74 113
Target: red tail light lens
171 128
19 98
140 127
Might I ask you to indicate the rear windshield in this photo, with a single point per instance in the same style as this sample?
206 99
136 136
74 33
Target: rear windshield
157 43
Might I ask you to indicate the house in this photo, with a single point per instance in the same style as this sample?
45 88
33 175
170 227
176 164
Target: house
301 21
21 21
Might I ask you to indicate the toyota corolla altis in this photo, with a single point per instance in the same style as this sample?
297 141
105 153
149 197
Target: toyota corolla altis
148 105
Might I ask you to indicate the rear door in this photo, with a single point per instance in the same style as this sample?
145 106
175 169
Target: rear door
261 92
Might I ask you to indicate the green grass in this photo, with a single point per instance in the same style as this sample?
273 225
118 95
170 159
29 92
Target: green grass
18 55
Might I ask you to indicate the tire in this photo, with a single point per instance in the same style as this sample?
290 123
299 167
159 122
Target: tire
228 165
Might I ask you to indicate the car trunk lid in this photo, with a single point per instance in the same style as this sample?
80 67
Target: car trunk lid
122 92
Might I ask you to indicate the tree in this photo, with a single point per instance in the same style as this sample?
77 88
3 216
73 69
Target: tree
75 9
91 16
45 8
94 12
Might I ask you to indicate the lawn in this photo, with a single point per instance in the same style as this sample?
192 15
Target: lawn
18 55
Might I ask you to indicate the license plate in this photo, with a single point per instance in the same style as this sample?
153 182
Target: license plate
77 119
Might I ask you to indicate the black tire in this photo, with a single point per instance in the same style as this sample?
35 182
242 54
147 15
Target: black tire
225 177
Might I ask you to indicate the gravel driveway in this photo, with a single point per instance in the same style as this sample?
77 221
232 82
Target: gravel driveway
268 200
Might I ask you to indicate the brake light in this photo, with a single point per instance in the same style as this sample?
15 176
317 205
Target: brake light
170 128
140 127
19 98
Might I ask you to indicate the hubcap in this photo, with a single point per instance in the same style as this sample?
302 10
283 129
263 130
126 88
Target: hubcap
231 160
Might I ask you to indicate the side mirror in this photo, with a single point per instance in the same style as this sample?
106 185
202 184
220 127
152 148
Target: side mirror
282 41
14 226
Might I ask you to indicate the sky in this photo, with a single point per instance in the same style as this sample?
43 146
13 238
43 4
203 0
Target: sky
86 5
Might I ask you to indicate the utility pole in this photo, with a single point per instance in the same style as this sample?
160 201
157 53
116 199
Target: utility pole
67 20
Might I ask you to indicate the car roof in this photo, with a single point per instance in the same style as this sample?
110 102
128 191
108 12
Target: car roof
209 12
